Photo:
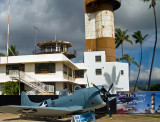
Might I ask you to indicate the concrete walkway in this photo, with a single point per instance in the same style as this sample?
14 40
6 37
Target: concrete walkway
100 118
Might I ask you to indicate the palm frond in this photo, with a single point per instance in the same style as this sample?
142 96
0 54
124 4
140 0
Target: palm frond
145 36
134 62
153 3
129 41
12 51
126 57
138 37
129 59
118 44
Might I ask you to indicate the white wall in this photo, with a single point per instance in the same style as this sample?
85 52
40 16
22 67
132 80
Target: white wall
59 87
30 60
34 58
48 77
81 81
3 76
30 71
30 75
111 72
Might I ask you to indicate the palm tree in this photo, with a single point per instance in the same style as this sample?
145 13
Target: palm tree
120 37
139 39
152 5
12 51
130 60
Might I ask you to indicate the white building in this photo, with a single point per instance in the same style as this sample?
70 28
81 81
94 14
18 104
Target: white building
104 73
51 70
46 69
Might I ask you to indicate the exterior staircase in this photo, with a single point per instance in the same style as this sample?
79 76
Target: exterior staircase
37 86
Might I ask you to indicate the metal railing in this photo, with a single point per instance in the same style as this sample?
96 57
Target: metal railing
31 81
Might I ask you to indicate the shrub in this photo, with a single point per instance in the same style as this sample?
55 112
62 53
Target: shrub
155 87
10 88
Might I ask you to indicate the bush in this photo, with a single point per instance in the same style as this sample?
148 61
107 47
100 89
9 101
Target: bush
10 88
155 87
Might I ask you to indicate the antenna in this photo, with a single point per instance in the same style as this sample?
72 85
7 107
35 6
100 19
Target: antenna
8 31
55 36
35 41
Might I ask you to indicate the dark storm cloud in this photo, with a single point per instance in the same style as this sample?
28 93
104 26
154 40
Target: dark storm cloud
70 17
135 14
66 17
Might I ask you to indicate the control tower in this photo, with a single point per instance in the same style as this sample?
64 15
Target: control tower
55 46
99 26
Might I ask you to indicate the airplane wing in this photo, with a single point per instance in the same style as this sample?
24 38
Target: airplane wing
40 111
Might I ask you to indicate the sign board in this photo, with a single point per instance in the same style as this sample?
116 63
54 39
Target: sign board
88 117
138 102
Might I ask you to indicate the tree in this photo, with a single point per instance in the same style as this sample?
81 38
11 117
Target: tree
12 51
120 37
139 39
10 88
152 5
155 87
130 60
2 54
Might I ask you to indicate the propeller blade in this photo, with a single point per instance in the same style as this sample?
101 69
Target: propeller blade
106 94
110 86
95 86
103 90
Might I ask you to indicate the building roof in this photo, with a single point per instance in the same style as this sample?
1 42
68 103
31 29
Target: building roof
116 3
81 66
43 43
42 58
68 54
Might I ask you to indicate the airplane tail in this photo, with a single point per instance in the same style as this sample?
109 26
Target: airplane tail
25 101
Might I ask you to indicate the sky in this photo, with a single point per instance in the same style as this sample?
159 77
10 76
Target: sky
66 17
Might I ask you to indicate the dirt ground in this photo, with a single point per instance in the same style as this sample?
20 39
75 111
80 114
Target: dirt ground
99 118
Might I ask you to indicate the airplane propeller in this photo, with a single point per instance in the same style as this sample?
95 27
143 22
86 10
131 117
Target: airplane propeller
105 94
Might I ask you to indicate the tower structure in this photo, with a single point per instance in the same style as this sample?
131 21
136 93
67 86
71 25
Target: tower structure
153 103
55 46
99 26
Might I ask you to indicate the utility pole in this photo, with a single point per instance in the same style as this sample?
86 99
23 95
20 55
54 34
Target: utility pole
36 29
8 31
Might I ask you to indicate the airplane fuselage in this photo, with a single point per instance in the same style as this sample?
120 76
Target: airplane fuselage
88 98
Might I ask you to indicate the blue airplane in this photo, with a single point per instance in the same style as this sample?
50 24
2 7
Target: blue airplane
83 100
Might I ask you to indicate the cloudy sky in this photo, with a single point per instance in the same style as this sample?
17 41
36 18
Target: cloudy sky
66 17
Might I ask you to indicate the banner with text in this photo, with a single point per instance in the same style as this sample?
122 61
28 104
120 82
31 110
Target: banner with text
138 102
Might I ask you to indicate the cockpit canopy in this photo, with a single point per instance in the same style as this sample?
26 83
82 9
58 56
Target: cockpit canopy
66 92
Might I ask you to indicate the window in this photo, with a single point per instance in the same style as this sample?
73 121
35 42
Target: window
44 68
98 71
11 67
64 69
65 86
98 58
79 74
58 47
70 72
122 72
